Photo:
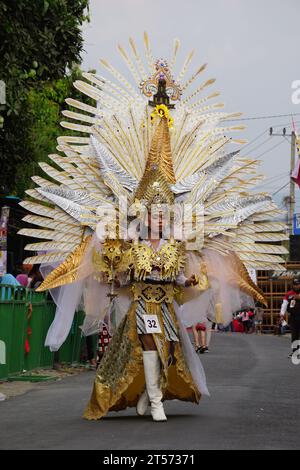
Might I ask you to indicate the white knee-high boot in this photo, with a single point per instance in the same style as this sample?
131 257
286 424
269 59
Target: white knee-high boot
152 377
142 404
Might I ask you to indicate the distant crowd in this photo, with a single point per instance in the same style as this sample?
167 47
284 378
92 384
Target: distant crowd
24 276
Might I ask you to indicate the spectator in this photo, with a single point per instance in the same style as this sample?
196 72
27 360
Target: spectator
291 304
199 328
251 320
35 277
90 351
238 324
22 277
277 327
258 319
244 317
205 335
7 280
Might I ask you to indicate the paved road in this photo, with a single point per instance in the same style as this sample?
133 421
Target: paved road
254 403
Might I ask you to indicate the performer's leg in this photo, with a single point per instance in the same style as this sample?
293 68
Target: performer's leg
203 338
90 351
152 369
148 342
295 333
208 324
196 337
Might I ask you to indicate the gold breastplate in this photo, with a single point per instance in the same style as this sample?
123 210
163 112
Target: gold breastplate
168 260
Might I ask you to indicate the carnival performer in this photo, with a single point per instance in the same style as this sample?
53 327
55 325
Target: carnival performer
145 362
137 156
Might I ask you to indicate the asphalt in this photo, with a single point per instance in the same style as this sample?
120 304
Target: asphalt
254 404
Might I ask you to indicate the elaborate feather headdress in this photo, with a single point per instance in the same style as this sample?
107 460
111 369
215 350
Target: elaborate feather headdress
135 143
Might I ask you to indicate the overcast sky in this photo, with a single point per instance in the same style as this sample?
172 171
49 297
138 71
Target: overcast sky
252 49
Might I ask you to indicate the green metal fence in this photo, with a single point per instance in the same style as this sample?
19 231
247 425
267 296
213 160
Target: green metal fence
27 315
70 350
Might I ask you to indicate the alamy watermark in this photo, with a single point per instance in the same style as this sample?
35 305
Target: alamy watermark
296 352
296 93
178 221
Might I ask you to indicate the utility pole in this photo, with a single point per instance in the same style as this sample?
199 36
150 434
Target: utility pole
292 184
292 166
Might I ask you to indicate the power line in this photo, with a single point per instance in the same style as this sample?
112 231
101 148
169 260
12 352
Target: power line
262 143
259 145
270 149
252 118
286 124
282 187
255 139
272 180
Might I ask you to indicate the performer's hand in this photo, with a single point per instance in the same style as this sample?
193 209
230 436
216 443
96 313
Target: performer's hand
192 281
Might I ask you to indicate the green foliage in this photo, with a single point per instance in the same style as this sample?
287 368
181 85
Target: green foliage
44 106
40 41
41 38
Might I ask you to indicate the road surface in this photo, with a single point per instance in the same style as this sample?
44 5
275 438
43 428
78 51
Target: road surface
254 404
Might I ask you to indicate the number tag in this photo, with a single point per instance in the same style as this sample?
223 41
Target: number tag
152 324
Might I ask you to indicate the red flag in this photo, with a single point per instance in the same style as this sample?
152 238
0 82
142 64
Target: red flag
295 176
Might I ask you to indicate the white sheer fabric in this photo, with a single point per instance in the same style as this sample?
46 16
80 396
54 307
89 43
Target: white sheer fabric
98 307
198 306
223 297
67 298
192 359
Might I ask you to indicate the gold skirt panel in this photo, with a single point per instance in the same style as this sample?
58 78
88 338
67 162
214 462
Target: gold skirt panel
120 379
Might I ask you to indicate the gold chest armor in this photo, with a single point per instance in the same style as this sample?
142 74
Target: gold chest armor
168 260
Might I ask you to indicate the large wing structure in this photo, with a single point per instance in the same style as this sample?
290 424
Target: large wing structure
105 156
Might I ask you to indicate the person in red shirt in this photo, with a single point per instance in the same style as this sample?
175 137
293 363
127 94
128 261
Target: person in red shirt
291 304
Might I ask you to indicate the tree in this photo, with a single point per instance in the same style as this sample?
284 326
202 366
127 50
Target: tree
39 43
44 106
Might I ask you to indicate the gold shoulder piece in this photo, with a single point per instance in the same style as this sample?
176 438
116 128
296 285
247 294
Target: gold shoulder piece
173 259
66 272
114 258
142 260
